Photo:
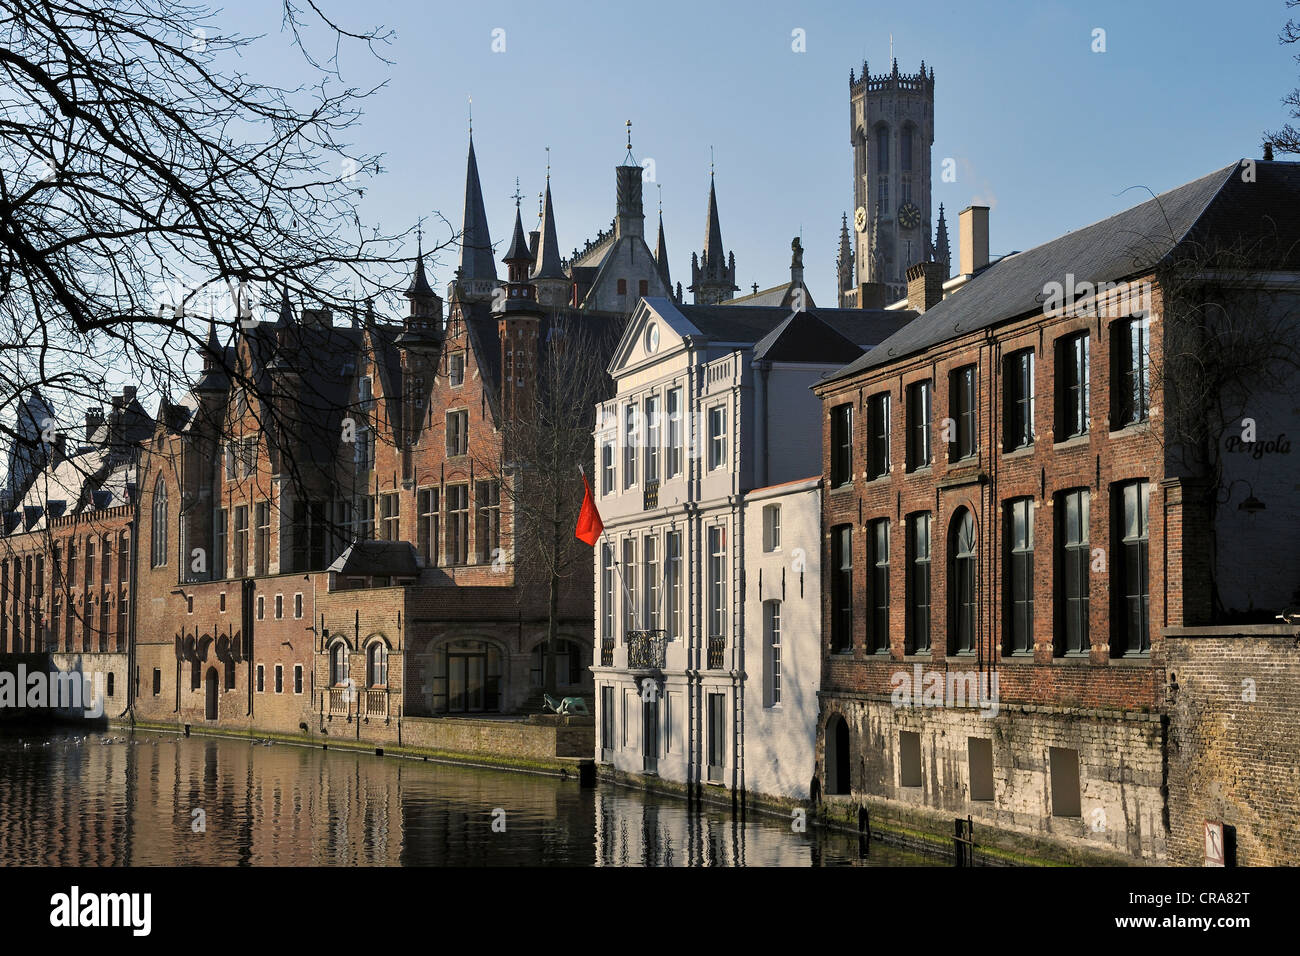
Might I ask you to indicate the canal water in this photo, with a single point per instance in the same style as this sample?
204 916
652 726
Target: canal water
141 799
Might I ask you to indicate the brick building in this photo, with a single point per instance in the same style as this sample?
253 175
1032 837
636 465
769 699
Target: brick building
1011 522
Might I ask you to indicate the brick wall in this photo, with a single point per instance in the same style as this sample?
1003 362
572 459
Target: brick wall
1234 743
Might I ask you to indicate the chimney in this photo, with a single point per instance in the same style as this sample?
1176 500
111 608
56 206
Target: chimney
60 447
128 393
973 233
94 418
873 295
925 285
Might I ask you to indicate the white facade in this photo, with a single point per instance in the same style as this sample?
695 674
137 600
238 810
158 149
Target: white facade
677 449
783 626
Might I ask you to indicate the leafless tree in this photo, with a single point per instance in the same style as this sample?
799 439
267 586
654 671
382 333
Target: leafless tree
545 436
1287 138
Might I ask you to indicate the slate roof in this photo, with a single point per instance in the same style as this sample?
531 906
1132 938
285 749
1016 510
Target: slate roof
747 324
377 559
1220 205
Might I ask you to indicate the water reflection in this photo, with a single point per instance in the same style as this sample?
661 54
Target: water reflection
139 799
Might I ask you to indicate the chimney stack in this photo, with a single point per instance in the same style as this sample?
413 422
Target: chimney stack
873 295
973 232
925 285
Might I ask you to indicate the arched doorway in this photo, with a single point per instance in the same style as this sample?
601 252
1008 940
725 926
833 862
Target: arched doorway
210 690
837 755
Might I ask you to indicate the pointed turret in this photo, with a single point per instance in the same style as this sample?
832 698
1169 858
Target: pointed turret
661 253
521 294
713 274
553 286
844 264
942 251
285 318
478 272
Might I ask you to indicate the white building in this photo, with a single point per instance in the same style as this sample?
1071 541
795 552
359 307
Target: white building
711 402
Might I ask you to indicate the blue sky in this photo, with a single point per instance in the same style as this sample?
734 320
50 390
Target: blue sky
1044 130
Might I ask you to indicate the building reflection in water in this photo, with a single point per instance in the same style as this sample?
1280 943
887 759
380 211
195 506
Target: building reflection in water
157 799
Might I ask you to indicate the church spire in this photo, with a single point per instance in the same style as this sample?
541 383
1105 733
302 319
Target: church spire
661 248
942 252
713 276
844 264
548 250
475 241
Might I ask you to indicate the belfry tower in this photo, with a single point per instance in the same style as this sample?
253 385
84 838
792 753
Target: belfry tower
892 133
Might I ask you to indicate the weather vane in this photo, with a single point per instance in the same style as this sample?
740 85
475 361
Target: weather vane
518 195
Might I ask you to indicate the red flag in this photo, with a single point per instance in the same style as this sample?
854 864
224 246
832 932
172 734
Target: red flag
589 524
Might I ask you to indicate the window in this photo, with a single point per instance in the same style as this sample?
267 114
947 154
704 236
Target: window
297 606
1019 392
878 435
261 678
108 684
338 664
650 562
905 147
279 606
189 604
158 546
878 593
248 455
157 681
377 665
717 581
241 540
219 519
365 518
1072 584
673 541
629 585
717 437
607 591
230 461
1072 387
841 444
489 520
458 432
717 735
771 527
262 543
919 421
389 517
1019 580
456 369
961 406
772 651
622 287
229 668
606 467
279 678
427 532
961 587
363 454
607 738
643 286
221 602
631 438
842 589
457 524
297 678
1132 583
261 607
675 443
918 583
1130 347
882 149
653 427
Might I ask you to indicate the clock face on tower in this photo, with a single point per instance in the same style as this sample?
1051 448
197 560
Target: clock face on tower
909 217
860 219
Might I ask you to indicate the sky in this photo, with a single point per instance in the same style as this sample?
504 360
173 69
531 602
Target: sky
1044 130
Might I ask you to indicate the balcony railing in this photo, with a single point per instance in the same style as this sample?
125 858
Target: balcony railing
341 700
650 498
376 702
716 646
606 652
646 650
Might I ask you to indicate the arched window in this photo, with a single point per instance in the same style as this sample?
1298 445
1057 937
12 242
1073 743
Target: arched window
377 665
882 149
905 147
962 582
338 664
158 548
